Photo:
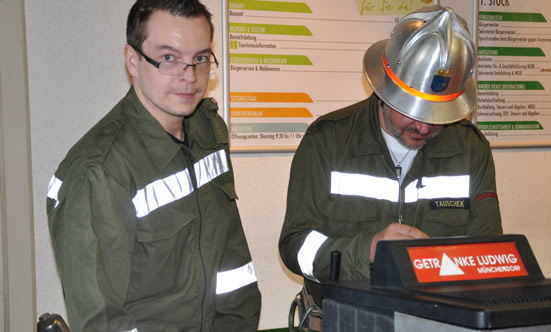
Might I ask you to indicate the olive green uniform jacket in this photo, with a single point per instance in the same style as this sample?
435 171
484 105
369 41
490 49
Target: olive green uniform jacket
343 190
146 231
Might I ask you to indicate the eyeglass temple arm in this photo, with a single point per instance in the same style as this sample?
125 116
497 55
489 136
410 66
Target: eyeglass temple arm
148 59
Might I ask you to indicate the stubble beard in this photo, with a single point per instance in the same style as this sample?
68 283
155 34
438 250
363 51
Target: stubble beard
397 133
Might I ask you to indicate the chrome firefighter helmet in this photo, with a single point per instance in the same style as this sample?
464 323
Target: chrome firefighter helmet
424 70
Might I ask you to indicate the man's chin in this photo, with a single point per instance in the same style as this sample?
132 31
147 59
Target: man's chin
414 144
186 109
415 147
417 143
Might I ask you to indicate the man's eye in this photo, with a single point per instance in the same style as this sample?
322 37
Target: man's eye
168 57
201 58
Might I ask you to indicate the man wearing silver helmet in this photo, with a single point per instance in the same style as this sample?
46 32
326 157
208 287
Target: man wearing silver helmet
401 164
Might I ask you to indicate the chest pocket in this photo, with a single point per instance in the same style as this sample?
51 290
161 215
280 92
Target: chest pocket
348 215
165 222
166 239
445 217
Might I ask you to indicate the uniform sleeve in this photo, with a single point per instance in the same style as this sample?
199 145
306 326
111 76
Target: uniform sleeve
91 221
486 217
304 244
238 299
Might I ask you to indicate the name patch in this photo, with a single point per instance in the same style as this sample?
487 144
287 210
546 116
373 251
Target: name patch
451 203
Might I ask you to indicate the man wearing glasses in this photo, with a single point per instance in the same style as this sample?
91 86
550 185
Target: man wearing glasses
142 211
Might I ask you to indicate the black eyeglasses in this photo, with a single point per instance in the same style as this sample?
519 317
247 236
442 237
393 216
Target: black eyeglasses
174 68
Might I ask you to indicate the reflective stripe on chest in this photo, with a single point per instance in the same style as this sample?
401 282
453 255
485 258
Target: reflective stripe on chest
351 184
179 185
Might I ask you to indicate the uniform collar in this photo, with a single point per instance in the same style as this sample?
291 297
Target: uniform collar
369 141
205 128
155 140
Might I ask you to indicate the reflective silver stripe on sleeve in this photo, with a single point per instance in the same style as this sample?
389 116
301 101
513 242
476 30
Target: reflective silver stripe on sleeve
179 185
133 330
438 187
53 189
307 253
364 185
229 281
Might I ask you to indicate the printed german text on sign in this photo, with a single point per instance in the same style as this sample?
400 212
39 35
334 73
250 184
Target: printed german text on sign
466 262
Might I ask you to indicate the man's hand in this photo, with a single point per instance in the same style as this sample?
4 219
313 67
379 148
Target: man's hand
395 232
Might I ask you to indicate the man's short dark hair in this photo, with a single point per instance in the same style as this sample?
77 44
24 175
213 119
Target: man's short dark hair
136 26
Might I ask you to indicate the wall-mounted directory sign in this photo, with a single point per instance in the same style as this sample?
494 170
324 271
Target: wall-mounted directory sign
514 72
293 61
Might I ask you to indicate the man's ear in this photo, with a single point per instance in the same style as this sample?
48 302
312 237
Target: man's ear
131 60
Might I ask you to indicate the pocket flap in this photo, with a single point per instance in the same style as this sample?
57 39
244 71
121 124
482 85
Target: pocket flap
154 228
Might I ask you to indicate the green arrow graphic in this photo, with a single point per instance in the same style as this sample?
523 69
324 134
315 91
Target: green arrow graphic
273 6
510 85
510 125
511 17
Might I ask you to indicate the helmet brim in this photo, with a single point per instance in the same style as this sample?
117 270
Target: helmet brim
433 112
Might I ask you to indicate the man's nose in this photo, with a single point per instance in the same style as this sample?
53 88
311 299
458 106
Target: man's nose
423 128
189 74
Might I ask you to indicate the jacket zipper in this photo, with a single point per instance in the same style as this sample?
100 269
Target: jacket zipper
401 206
198 203
400 192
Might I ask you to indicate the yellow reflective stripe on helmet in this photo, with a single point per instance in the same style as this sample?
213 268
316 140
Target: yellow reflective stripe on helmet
229 281
414 92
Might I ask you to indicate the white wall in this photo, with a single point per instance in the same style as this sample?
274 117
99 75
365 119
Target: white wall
524 189
16 217
76 74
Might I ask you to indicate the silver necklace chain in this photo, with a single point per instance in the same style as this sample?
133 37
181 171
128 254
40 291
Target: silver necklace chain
396 159
397 167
